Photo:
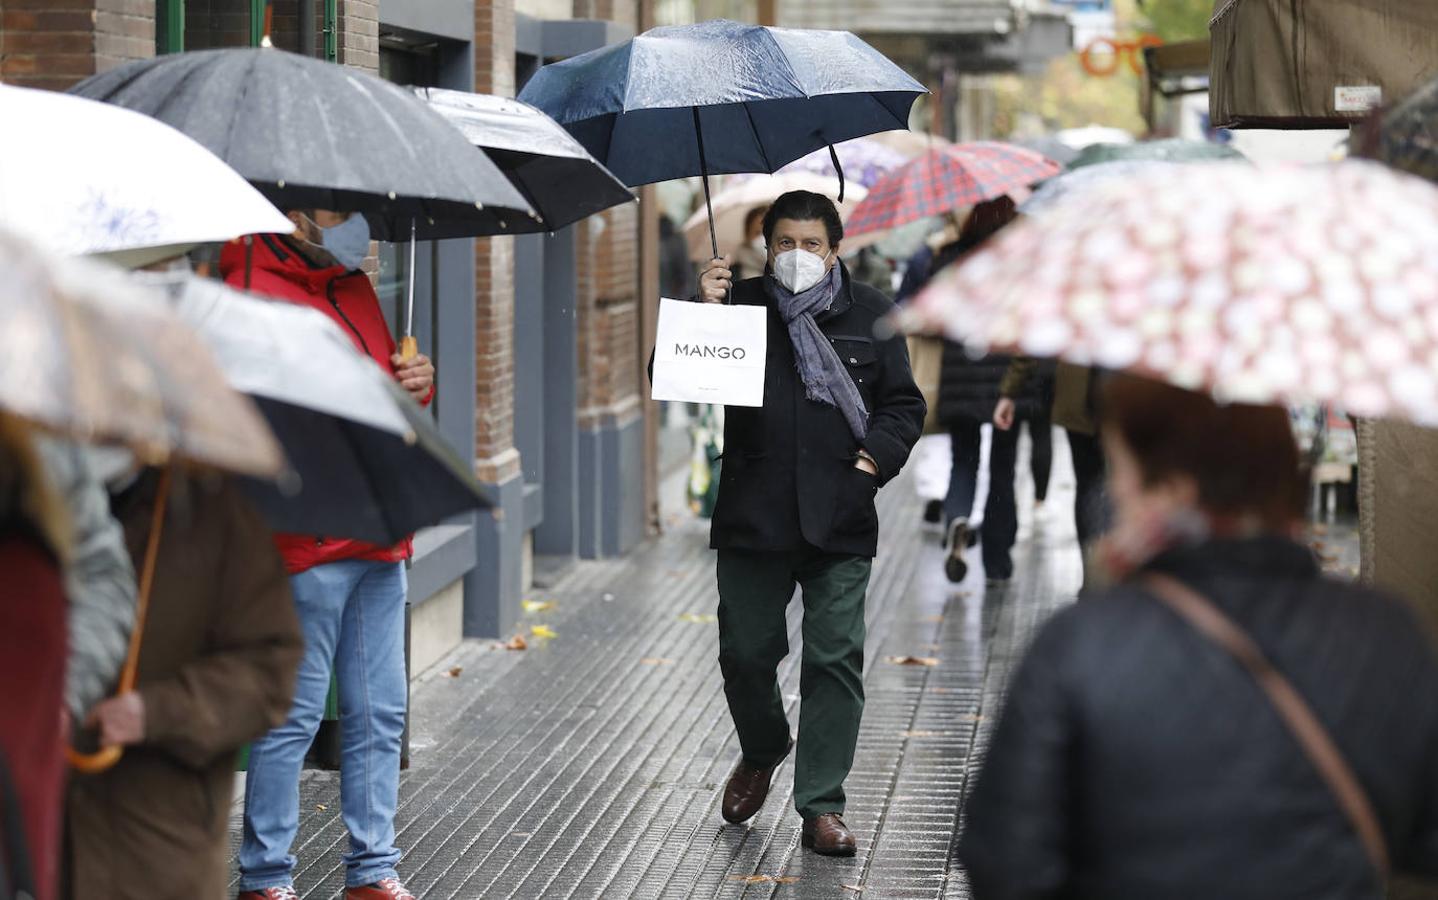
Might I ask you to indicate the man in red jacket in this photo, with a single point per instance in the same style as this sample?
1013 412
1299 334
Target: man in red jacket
350 596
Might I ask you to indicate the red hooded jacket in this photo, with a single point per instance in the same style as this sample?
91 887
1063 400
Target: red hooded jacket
277 270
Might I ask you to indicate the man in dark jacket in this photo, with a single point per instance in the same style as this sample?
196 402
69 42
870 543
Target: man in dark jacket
796 507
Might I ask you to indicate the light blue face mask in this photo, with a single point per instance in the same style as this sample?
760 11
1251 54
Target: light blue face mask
347 242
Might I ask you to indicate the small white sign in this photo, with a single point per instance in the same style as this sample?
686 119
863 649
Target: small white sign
710 353
1357 98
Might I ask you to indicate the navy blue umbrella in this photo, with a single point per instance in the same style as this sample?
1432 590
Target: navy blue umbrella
722 97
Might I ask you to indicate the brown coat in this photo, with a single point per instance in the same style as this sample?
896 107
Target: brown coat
221 648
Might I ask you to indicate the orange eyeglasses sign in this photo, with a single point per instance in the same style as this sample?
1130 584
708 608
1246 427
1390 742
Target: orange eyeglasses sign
1103 56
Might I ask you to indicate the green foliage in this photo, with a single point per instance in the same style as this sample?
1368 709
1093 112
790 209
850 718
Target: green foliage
1177 20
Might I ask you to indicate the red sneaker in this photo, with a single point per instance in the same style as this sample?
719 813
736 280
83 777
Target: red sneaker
272 893
384 889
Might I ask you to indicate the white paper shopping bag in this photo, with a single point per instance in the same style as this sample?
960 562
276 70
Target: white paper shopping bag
710 353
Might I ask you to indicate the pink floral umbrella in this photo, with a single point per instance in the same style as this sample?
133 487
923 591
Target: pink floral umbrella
1261 285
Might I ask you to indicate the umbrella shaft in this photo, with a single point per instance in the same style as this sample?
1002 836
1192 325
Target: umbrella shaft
704 173
409 308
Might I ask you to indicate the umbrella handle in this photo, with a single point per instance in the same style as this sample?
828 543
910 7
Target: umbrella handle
92 763
408 347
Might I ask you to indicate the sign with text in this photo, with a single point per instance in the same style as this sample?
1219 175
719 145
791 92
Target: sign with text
710 353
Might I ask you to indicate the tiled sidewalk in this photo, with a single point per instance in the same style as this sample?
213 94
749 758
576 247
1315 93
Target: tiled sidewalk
591 765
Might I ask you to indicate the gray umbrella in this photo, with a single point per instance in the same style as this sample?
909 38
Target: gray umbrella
551 169
310 134
370 463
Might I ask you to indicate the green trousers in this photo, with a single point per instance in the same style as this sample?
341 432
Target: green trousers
754 591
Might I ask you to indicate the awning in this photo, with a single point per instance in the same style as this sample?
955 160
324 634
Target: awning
1316 63
1174 70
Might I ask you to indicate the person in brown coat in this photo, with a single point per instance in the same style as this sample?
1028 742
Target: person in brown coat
217 669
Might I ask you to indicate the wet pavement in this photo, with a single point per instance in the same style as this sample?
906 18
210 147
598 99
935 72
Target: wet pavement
591 765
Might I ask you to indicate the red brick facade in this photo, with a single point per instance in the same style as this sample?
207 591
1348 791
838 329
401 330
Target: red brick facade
496 459
55 43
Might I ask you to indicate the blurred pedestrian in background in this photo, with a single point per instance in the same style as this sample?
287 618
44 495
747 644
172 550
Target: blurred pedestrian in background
968 394
350 595
217 664
1074 391
34 545
751 258
1141 754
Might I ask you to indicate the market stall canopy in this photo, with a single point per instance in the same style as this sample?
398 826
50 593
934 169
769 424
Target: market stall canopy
1318 63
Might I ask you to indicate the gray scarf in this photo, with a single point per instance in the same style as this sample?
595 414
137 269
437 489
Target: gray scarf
825 378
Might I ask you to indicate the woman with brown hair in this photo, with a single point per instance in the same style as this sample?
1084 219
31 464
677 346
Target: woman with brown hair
34 537
1224 721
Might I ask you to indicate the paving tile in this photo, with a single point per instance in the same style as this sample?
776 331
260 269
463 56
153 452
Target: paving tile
591 765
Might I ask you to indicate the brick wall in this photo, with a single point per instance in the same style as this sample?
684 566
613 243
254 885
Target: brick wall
56 43
496 459
359 34
607 316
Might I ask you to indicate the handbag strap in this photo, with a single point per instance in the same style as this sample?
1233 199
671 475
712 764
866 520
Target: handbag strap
1297 715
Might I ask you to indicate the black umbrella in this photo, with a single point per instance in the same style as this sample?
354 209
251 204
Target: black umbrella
365 461
311 134
722 97
549 167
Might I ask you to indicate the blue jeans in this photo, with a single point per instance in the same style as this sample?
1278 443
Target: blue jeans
352 615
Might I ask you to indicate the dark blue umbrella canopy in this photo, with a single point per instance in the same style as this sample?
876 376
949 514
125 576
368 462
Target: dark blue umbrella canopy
759 97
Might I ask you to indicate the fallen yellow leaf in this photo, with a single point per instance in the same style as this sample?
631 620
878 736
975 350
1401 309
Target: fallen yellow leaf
913 660
534 606
321 807
656 661
516 643
698 617
543 631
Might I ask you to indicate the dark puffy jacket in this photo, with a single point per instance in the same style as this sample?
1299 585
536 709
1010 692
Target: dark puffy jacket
1136 759
969 388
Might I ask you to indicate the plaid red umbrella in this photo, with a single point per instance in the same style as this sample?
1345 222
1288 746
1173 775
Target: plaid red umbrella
945 179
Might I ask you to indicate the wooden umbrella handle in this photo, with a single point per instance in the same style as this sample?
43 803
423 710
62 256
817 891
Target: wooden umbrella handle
408 347
99 761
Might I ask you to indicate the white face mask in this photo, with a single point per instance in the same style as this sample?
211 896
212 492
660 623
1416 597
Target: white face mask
798 270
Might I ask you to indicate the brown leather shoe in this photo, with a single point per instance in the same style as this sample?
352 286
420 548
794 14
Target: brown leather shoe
828 835
748 788
384 889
